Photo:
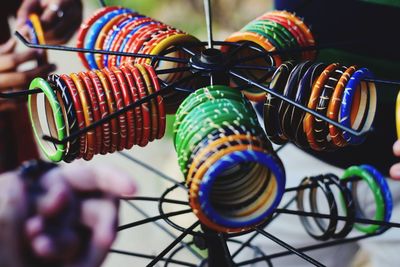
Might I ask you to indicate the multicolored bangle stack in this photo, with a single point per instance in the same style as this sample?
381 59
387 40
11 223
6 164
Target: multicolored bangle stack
73 102
334 91
350 207
235 178
124 30
276 30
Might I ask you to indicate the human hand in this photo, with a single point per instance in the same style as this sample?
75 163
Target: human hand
10 60
60 18
395 169
76 196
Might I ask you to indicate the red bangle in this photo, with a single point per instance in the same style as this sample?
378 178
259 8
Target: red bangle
95 109
88 115
135 97
78 111
130 117
119 39
145 106
103 109
137 39
85 28
112 108
116 89
160 102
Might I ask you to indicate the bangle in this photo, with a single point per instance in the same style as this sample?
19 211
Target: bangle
160 102
88 115
153 102
78 111
130 116
94 31
284 114
61 88
325 231
321 130
316 91
85 28
302 97
92 99
334 106
101 100
347 101
37 26
119 104
135 97
347 203
145 106
115 128
359 172
272 103
398 115
54 152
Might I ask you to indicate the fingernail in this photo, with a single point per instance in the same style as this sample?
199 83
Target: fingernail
42 246
34 226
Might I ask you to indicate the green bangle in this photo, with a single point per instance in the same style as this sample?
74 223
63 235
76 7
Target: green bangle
268 32
190 137
54 152
356 171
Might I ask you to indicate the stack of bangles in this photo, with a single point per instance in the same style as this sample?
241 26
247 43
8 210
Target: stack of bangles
75 101
36 34
123 30
334 91
350 206
273 31
235 179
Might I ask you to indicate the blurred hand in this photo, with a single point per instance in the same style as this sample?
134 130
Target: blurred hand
395 169
60 18
11 60
75 195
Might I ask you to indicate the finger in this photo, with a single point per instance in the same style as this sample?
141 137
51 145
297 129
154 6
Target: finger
396 148
22 79
13 60
101 217
54 201
395 171
8 47
27 7
34 227
109 180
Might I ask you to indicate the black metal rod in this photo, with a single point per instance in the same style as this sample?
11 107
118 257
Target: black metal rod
253 67
292 102
307 248
162 227
248 241
156 199
20 93
185 49
153 170
281 147
153 219
173 244
141 255
172 70
340 218
114 115
290 248
95 51
208 16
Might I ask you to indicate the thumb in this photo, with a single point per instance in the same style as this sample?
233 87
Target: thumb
28 7
8 47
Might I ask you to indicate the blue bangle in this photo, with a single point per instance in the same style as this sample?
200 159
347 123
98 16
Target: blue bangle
32 33
116 30
94 31
386 194
128 37
268 160
347 101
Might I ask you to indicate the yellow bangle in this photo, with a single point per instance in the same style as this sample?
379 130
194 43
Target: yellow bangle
398 115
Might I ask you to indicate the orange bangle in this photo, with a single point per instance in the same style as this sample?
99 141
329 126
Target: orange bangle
308 123
88 114
334 106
